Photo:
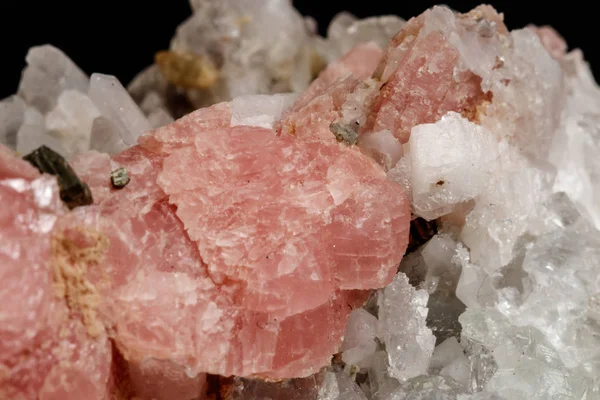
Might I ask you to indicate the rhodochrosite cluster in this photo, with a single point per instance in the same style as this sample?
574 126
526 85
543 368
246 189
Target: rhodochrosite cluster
255 248
234 250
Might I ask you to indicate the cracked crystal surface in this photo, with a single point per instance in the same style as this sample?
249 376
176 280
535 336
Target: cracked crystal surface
274 177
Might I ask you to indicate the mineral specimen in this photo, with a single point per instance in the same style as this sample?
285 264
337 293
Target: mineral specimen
114 102
264 238
72 191
257 47
49 72
48 350
302 210
346 31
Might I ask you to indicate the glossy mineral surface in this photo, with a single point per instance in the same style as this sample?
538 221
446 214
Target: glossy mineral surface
253 232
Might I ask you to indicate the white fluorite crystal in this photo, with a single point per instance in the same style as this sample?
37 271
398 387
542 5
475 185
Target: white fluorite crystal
71 121
452 161
49 72
113 101
403 330
260 110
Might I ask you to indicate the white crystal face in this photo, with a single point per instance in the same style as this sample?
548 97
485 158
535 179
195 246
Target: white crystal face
113 101
260 110
49 72
452 161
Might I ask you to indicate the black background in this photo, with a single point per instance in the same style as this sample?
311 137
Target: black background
120 37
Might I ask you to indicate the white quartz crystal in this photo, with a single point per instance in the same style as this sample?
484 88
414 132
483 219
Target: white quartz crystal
403 330
113 101
575 148
449 360
152 101
71 121
48 73
260 46
159 117
340 386
527 366
33 134
346 31
150 80
12 110
260 110
106 137
427 388
359 340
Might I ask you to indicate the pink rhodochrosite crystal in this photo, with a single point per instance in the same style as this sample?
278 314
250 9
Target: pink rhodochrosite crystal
238 251
230 254
51 344
419 73
321 104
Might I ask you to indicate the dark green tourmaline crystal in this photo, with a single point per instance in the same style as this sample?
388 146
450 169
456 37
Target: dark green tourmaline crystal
73 192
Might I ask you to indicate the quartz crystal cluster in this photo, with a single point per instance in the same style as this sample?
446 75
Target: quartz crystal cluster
256 248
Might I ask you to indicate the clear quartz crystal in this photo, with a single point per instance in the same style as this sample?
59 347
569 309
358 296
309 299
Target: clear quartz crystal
113 101
340 386
105 137
428 387
359 340
403 330
71 121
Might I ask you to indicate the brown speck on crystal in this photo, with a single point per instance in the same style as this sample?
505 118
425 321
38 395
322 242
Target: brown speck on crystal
119 178
73 192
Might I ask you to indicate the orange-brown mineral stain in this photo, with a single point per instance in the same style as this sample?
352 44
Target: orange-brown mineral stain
187 70
73 252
